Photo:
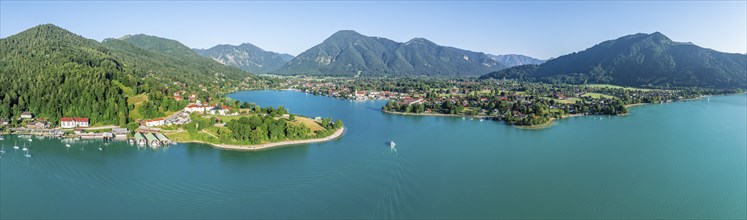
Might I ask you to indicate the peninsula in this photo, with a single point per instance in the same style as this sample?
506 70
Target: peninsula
254 129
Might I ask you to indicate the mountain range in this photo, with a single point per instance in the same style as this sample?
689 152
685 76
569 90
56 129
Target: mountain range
348 53
639 60
246 57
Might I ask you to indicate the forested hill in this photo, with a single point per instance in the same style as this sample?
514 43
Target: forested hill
640 60
348 53
54 73
183 55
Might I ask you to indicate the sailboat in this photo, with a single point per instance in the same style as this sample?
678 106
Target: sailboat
67 145
2 149
392 144
100 147
27 154
15 146
24 147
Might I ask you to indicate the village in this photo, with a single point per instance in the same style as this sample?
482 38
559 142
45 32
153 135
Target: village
148 133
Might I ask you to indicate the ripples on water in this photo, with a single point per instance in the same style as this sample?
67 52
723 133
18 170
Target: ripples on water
684 166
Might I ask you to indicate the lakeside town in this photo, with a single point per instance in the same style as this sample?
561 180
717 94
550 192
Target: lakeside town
514 102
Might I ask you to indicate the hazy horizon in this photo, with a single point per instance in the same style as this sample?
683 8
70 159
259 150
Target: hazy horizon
537 29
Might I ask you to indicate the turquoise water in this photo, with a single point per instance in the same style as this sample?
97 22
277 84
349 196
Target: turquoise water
676 160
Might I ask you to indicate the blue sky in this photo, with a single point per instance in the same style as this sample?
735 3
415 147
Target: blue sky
541 29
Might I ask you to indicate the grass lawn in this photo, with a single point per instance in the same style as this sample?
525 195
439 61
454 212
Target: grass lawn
571 100
126 90
179 136
598 95
227 118
137 101
309 123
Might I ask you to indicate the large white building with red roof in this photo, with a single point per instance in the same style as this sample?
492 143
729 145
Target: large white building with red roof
197 108
73 122
154 122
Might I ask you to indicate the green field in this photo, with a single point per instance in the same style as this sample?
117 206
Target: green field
126 90
137 101
179 136
571 100
597 95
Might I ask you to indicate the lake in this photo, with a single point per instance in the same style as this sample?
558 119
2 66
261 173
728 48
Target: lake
673 160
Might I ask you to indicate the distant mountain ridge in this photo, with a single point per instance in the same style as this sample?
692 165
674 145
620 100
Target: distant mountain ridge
640 60
349 53
512 60
246 57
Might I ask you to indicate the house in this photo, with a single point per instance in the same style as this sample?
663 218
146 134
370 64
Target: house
37 125
120 133
219 110
82 122
73 122
360 93
192 97
154 122
196 108
26 115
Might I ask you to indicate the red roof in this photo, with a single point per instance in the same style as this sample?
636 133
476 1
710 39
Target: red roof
157 119
75 119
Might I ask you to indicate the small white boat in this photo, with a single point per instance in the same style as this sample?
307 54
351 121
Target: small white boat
2 138
30 139
100 147
27 154
67 145
463 118
25 148
392 144
481 119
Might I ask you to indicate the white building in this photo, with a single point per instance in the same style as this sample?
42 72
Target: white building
196 108
26 115
219 110
154 122
73 122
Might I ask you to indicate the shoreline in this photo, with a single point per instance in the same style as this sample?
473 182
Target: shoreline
432 114
258 147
